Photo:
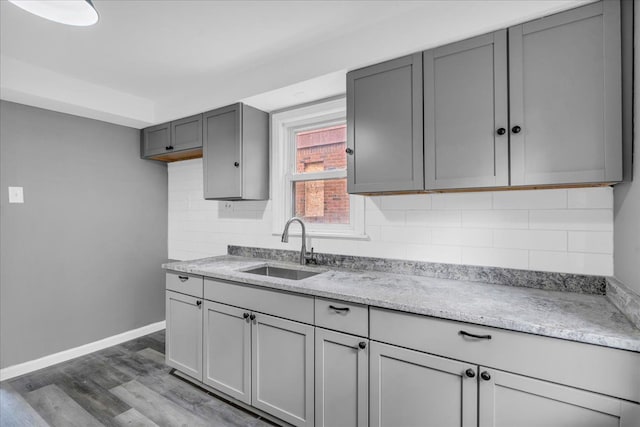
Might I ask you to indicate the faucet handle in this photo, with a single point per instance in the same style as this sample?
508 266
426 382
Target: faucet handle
310 257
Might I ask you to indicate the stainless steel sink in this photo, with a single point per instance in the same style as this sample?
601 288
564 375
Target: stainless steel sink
284 273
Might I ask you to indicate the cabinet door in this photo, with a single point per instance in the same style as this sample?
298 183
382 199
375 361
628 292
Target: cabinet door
565 93
342 384
409 388
222 153
227 350
187 133
156 140
184 334
513 400
282 362
465 104
384 127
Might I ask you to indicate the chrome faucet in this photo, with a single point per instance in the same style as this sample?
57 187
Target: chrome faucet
305 257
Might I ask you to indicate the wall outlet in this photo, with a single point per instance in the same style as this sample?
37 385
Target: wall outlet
227 206
16 195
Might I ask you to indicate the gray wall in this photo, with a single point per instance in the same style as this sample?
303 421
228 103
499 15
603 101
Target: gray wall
80 259
626 251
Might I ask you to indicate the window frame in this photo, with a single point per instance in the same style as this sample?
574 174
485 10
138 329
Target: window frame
284 126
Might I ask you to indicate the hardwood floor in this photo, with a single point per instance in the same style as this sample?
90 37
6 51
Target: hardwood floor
124 385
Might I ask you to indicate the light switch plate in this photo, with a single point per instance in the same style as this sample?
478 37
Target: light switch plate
16 195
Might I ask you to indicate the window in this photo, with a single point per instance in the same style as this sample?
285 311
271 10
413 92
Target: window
309 175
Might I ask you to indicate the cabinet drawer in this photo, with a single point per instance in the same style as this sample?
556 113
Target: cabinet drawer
269 301
185 284
342 316
590 367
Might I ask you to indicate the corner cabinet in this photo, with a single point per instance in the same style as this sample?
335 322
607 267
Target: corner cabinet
177 140
565 93
236 153
384 127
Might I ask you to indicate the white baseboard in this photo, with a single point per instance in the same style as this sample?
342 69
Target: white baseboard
52 359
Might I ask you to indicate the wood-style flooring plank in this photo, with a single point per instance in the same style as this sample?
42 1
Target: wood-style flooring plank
133 418
96 400
58 409
15 411
156 407
80 389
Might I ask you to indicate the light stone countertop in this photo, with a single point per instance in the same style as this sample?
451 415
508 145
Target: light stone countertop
578 317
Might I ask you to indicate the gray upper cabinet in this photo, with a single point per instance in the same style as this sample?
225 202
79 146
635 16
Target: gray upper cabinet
177 140
466 114
187 133
384 127
156 139
236 153
539 104
565 93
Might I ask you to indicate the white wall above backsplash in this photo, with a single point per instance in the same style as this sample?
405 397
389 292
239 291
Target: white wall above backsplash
563 230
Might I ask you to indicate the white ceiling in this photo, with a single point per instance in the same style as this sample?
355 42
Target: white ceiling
150 61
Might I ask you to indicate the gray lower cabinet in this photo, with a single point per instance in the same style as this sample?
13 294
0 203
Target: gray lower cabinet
282 368
508 400
184 333
227 350
384 127
236 153
466 113
261 360
410 389
342 380
565 97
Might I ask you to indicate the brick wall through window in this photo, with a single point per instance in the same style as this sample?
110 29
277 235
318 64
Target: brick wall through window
322 201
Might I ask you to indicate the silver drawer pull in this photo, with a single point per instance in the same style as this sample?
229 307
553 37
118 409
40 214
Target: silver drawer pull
339 309
183 278
480 337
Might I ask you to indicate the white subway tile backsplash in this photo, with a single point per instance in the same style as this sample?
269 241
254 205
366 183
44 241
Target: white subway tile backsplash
462 237
434 253
530 199
462 201
530 239
564 230
574 219
406 234
495 219
496 257
406 202
434 218
591 198
591 241
374 217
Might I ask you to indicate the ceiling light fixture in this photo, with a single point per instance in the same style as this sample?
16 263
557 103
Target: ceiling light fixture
79 13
